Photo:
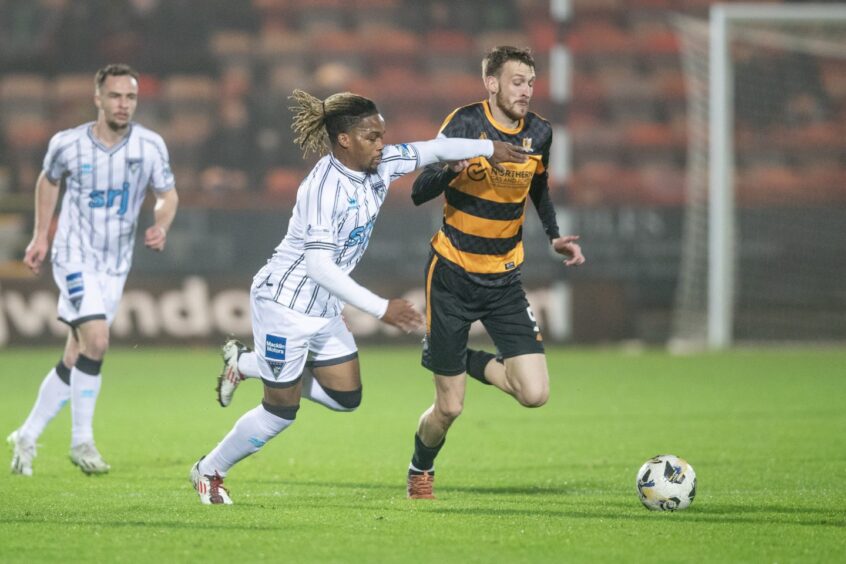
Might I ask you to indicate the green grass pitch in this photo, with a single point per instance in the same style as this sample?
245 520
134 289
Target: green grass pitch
765 431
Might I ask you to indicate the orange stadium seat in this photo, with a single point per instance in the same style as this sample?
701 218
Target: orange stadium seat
598 36
27 133
24 93
283 182
281 44
232 45
192 94
389 43
487 40
446 41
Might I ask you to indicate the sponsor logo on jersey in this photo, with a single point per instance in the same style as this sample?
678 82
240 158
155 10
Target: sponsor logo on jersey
133 164
107 198
404 150
353 203
360 235
86 168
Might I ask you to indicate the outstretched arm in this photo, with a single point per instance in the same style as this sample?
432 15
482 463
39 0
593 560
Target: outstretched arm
46 197
397 312
431 183
456 149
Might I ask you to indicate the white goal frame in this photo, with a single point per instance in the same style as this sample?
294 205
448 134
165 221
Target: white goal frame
721 196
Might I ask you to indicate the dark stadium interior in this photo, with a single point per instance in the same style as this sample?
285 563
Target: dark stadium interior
216 75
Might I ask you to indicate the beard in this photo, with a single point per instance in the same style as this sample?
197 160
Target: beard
509 111
117 127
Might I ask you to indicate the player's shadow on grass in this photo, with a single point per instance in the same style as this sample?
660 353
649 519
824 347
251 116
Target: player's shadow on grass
393 487
123 523
689 515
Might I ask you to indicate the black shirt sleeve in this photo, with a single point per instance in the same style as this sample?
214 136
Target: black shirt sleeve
431 183
539 192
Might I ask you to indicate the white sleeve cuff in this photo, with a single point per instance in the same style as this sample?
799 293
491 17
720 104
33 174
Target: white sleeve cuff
322 269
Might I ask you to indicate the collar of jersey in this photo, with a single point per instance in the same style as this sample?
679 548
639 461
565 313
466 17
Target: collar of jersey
353 175
109 150
494 123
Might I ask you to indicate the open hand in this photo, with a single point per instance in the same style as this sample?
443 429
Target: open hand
35 254
403 315
568 247
155 238
506 153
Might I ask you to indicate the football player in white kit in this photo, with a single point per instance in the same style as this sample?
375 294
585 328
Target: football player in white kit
107 167
302 348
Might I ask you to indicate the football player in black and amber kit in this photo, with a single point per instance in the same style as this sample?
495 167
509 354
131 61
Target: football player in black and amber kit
474 267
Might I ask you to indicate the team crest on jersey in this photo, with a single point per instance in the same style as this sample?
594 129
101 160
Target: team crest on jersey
133 164
274 352
76 289
379 186
527 143
404 150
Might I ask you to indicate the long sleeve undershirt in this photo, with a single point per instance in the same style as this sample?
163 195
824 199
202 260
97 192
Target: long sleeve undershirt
320 263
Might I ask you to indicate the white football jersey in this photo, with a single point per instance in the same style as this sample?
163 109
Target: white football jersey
336 209
105 187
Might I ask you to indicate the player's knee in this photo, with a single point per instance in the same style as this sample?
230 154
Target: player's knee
450 410
533 397
347 400
96 346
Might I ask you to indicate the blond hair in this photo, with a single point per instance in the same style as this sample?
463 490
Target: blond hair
317 123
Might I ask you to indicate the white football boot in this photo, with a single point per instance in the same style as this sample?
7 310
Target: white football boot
88 458
229 377
209 488
22 454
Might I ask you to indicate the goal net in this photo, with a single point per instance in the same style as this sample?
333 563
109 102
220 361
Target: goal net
764 242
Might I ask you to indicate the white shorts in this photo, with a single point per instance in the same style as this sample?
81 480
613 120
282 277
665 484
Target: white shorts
285 340
86 295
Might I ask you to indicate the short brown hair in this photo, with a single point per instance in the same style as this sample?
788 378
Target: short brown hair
116 69
497 57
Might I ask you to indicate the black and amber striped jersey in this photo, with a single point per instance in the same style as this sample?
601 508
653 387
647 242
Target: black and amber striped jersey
482 231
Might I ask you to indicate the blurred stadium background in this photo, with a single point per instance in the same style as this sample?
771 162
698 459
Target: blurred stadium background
625 84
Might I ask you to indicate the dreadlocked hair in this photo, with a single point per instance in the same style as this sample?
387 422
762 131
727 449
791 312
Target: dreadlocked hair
317 123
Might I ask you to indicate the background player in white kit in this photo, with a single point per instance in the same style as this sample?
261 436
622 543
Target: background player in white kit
106 166
302 346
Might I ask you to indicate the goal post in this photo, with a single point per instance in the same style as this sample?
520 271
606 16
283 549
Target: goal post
706 310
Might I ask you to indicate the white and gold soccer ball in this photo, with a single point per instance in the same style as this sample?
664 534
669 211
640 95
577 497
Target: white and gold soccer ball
666 483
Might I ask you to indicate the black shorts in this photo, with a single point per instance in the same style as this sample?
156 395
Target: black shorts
453 302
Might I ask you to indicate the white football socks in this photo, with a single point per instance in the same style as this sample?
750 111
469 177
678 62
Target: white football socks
248 365
84 391
249 434
52 397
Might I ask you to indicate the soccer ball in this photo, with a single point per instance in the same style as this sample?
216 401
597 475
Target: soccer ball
666 483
